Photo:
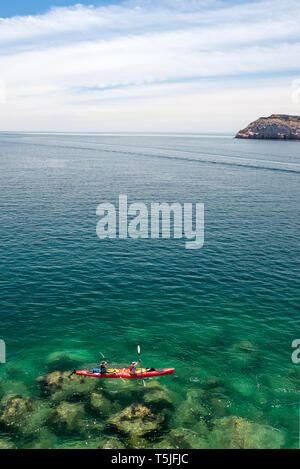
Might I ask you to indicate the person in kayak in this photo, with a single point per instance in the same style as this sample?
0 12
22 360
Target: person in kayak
103 369
132 368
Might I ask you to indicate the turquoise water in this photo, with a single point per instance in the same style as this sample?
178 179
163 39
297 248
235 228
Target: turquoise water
229 310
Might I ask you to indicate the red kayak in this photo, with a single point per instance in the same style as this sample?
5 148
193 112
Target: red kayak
125 373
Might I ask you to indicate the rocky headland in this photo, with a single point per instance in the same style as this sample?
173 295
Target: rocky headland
274 127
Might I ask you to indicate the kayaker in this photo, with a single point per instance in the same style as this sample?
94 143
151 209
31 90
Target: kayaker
103 368
132 368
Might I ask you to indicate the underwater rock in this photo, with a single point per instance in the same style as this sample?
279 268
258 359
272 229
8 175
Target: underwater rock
182 438
239 433
260 398
66 418
68 359
15 411
243 355
63 387
192 416
62 361
100 405
113 443
19 374
282 386
216 397
152 385
196 405
53 381
137 442
158 400
197 399
137 419
245 345
163 444
90 443
123 391
244 408
294 375
212 382
217 403
94 428
195 395
15 387
244 385
6 444
214 401
288 418
37 419
44 440
242 360
75 391
156 397
219 406
201 429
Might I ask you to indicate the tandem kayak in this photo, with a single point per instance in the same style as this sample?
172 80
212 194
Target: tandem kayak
125 373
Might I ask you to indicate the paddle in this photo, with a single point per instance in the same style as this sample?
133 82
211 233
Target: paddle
139 353
123 380
104 358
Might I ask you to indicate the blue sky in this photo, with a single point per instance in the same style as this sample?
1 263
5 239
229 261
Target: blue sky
34 7
147 65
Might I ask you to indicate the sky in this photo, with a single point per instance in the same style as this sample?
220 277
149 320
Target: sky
147 65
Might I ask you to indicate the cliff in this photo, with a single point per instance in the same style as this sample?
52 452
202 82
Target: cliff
277 126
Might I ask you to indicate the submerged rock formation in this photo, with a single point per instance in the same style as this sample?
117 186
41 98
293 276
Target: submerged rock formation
137 420
239 433
14 411
67 417
73 412
276 127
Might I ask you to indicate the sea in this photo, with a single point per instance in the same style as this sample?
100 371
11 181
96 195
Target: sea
224 316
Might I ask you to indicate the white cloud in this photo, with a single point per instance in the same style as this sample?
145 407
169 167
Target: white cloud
72 66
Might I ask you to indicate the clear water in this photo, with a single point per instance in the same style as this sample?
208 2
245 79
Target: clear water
64 290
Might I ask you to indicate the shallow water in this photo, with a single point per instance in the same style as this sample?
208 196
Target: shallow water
65 291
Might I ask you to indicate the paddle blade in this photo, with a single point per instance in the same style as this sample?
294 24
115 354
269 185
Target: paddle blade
139 349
